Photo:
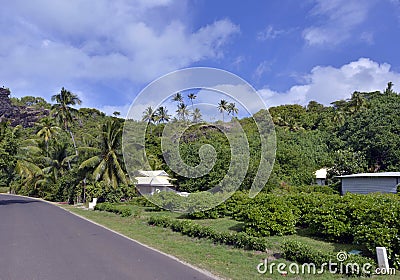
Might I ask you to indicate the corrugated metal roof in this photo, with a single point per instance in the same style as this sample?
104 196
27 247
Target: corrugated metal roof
152 173
378 174
153 181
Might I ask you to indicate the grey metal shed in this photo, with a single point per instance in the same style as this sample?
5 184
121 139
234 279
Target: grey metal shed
363 183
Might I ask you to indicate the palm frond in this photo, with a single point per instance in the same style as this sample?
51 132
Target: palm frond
90 163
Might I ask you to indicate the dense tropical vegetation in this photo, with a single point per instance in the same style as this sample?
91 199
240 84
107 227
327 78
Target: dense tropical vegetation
73 150
76 154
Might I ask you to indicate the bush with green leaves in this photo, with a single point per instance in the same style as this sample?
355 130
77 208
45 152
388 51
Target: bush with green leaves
371 220
304 254
268 215
122 210
189 228
197 204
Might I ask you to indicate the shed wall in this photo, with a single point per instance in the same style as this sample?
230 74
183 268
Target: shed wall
364 185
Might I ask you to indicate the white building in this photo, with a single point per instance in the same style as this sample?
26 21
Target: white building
320 176
384 182
150 182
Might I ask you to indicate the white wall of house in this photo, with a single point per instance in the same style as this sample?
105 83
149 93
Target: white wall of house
152 189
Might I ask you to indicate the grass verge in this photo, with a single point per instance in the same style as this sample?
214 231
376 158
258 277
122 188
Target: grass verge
223 261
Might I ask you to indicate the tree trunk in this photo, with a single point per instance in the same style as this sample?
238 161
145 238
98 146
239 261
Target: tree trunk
73 141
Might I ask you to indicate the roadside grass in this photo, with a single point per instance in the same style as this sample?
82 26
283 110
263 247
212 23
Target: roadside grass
221 260
3 189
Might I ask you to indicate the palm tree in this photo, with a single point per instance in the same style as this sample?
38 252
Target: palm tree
389 88
182 111
58 161
28 165
178 97
47 130
196 115
149 115
63 112
162 114
357 102
232 109
107 164
222 107
192 97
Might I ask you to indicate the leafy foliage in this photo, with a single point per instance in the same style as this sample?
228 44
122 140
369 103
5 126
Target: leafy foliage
304 254
117 209
189 228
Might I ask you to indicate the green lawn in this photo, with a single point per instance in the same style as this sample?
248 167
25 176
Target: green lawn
224 261
4 189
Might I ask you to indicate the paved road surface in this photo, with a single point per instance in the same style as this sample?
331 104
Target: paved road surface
43 242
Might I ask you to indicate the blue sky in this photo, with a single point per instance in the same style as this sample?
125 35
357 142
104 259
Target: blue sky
107 51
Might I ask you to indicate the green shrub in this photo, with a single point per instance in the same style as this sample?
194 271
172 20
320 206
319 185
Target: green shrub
124 211
312 189
301 253
268 215
189 228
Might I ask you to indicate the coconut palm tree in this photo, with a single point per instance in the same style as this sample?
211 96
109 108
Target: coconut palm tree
58 161
222 107
149 115
162 114
47 130
389 88
357 102
182 111
178 97
107 163
232 109
64 113
192 97
196 115
29 164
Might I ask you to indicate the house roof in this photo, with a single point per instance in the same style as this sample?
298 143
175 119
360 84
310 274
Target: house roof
153 181
155 178
379 174
152 173
321 173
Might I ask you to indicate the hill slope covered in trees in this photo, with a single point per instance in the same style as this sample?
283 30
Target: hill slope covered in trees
76 154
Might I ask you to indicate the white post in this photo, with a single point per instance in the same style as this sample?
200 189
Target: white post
93 204
382 258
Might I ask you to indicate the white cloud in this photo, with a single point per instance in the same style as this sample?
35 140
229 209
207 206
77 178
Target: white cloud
367 37
262 68
327 84
338 18
238 61
270 33
123 110
49 44
323 84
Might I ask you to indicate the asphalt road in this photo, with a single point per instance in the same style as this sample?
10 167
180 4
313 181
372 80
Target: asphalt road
41 241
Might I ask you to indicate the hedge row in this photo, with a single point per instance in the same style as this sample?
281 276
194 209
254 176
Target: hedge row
189 228
304 254
124 211
367 220
371 220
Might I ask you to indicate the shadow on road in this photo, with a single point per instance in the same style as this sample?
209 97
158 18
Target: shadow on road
16 201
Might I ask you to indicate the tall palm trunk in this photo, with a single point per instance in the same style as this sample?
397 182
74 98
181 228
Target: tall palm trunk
73 141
